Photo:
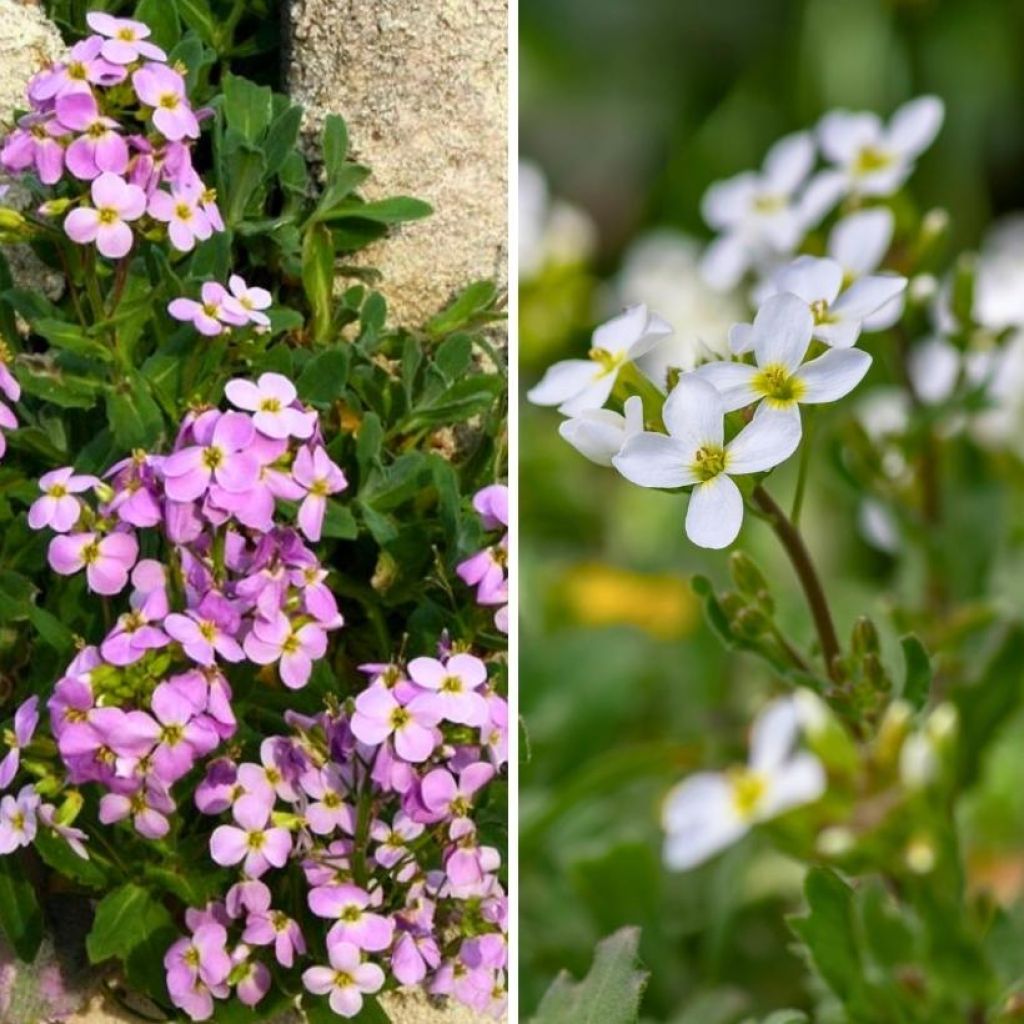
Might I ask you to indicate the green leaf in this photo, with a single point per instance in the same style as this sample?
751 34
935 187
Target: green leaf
162 18
609 994
395 210
335 146
126 919
245 170
72 338
20 915
829 937
473 300
51 630
133 414
248 107
339 522
318 277
282 138
44 379
198 16
56 852
16 593
324 378
917 679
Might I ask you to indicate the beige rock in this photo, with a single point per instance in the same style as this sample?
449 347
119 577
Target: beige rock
423 86
28 41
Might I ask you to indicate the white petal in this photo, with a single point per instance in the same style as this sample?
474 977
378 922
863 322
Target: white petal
699 820
768 439
859 242
886 181
654 460
633 410
741 338
725 203
914 126
563 380
822 193
724 262
788 162
934 368
635 330
593 396
842 134
732 381
811 278
886 316
715 513
782 331
841 334
596 433
868 295
799 781
694 413
774 734
834 374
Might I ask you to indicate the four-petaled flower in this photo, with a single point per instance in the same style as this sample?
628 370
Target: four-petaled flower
346 981
106 222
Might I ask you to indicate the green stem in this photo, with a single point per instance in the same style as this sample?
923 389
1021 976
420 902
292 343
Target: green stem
793 544
805 462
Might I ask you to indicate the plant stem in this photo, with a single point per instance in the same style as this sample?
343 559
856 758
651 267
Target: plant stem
793 544
801 479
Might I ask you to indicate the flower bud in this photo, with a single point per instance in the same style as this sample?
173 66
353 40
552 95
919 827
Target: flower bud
68 810
920 855
54 207
864 639
836 841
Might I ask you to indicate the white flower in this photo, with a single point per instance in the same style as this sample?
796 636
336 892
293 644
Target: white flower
859 243
695 452
780 336
875 159
577 384
761 214
839 316
999 278
599 434
709 811
662 270
552 232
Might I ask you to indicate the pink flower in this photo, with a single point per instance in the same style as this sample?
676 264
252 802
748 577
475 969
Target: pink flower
252 979
216 311
163 89
181 211
252 300
9 385
197 965
272 926
394 841
251 841
34 143
57 508
115 203
378 715
106 560
345 981
277 639
355 923
26 718
321 477
454 684
18 819
83 68
412 957
148 806
207 631
134 633
126 39
99 147
328 812
271 400
224 459
443 797
492 505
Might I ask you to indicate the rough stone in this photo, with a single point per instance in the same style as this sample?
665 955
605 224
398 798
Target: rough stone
423 86
28 41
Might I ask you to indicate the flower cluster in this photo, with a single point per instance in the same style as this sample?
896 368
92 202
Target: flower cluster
222 309
110 130
487 569
800 349
373 804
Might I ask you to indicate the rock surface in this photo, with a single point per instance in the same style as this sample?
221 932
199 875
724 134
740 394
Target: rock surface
423 86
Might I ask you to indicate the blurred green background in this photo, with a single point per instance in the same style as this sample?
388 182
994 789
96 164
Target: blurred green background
631 109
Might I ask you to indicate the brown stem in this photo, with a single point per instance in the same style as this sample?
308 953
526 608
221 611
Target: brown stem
800 558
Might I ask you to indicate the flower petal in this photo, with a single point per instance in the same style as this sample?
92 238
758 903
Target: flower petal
782 331
694 413
860 241
768 439
715 513
834 374
654 460
914 126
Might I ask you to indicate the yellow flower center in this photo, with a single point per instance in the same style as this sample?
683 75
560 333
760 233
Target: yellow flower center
451 684
169 101
126 34
820 312
343 980
76 70
212 457
778 386
400 717
748 789
608 361
269 404
172 735
351 914
291 644
183 211
108 215
57 491
208 630
768 203
96 130
709 461
870 159
256 840
90 553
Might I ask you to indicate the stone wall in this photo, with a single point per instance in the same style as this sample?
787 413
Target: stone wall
423 86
